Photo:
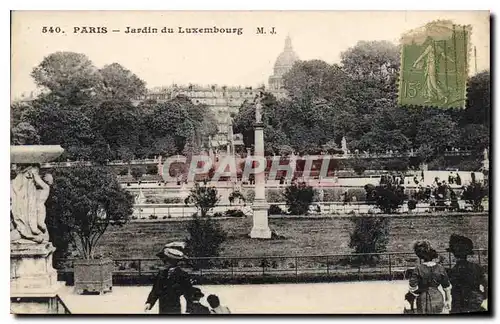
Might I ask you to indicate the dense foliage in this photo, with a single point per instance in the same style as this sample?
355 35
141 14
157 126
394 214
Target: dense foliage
203 197
205 234
298 198
387 196
358 100
94 114
370 235
474 194
205 239
83 202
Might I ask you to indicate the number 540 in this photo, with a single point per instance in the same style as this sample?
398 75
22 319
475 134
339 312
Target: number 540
411 88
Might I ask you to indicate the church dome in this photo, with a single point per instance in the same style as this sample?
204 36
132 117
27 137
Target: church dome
287 58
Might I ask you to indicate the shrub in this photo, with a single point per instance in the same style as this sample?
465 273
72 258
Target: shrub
123 171
474 194
205 239
412 204
152 169
371 194
203 197
274 196
370 235
172 200
388 196
137 172
153 217
397 165
234 213
83 203
218 214
359 166
298 198
153 200
275 210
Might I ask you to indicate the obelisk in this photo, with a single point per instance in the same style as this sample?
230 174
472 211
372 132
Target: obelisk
260 227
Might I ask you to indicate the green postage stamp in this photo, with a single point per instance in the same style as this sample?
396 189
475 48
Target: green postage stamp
434 65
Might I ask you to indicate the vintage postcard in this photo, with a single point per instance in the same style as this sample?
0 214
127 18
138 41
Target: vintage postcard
250 162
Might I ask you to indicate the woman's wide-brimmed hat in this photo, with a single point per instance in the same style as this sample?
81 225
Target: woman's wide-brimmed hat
460 245
173 251
424 250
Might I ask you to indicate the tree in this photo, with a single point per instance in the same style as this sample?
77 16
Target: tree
69 75
204 198
478 107
24 134
298 198
119 124
58 122
274 115
311 80
425 153
205 235
17 110
82 204
377 60
439 131
120 83
370 235
475 137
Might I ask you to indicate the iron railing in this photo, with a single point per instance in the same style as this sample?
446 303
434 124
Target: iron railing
391 265
165 211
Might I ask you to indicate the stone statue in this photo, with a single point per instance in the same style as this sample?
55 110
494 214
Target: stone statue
42 195
344 145
258 108
28 204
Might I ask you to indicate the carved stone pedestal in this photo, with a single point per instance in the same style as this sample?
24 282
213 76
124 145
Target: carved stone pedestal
260 227
33 280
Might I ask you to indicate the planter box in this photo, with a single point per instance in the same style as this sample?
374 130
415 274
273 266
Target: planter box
93 275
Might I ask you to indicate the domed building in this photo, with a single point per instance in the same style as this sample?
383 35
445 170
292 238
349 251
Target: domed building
226 100
283 64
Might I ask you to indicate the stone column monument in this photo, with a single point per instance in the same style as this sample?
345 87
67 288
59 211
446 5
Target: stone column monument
33 280
260 222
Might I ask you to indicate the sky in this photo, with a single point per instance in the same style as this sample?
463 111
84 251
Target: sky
222 59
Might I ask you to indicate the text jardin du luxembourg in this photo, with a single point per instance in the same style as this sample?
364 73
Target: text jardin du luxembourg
184 30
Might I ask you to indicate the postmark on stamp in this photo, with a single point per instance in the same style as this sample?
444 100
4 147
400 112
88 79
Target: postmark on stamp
434 65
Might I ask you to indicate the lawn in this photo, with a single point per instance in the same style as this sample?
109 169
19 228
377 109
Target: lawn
306 236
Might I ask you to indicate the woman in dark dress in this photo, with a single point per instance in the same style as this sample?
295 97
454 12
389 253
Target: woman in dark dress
171 282
466 278
425 280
